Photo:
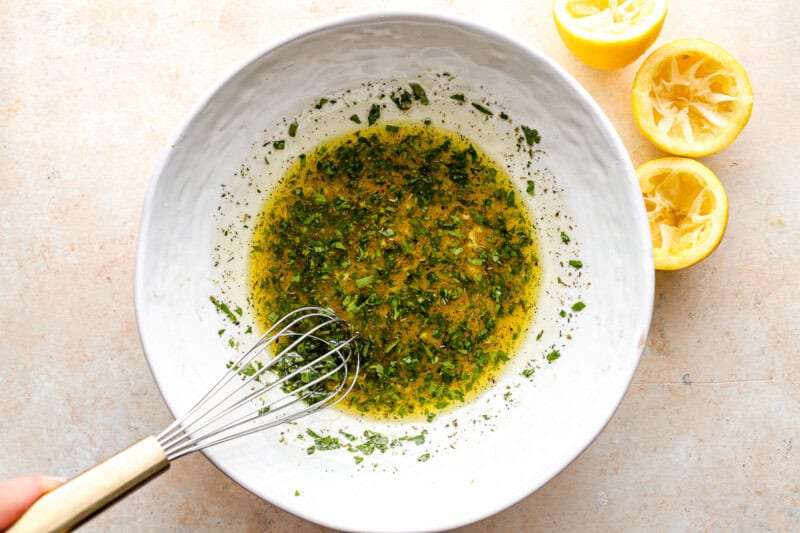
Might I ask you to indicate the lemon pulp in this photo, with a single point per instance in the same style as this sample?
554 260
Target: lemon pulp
610 17
687 209
691 98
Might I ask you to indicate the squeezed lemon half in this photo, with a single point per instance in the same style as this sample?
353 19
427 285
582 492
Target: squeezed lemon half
609 34
691 98
687 208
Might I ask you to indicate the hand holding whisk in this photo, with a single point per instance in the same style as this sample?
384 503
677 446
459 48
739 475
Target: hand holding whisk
315 365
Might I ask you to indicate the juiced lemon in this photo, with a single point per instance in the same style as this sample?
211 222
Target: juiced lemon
687 208
609 34
691 97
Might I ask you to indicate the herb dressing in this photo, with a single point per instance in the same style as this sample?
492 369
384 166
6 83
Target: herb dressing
417 239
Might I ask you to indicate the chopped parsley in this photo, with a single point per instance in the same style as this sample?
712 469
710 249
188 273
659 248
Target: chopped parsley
224 309
402 99
419 93
552 356
482 109
575 263
374 114
531 136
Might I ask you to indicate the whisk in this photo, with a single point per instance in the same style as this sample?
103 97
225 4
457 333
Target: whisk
315 365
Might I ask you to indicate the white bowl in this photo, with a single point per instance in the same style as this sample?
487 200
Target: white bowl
484 455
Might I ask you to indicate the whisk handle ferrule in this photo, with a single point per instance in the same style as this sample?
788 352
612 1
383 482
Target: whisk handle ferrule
77 499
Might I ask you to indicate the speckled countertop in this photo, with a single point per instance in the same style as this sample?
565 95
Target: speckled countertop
708 436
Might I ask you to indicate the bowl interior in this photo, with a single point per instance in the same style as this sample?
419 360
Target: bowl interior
485 455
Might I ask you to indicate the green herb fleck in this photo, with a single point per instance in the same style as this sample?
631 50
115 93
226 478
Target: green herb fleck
575 263
223 307
220 332
363 282
293 129
347 435
504 116
530 187
392 128
578 306
482 109
539 336
402 99
297 493
279 145
358 459
374 114
424 457
528 372
457 97
565 238
327 443
322 102
355 119
552 356
419 93
531 136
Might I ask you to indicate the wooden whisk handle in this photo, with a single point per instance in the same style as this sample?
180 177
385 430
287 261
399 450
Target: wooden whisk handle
77 499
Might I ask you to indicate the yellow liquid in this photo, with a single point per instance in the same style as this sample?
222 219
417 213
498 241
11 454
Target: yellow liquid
418 240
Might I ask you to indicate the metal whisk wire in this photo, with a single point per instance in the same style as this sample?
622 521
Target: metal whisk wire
231 402
316 365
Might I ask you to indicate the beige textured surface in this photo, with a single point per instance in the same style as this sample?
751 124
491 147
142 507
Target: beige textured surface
708 437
